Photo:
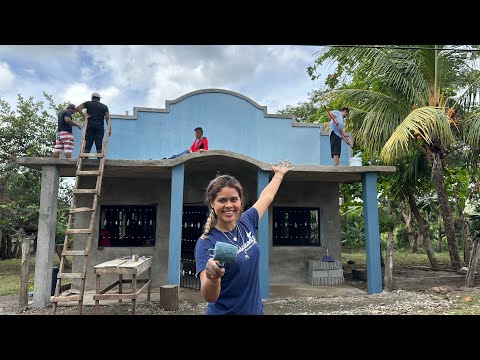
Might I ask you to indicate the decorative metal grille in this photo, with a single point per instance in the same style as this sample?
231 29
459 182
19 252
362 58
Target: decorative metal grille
193 220
296 226
127 225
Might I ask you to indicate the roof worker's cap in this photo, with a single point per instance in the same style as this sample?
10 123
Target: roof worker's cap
97 95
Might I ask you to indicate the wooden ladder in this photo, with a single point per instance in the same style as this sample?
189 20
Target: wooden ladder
78 191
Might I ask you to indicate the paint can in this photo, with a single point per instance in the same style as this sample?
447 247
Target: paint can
355 161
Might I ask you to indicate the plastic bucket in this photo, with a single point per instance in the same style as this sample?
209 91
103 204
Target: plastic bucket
355 161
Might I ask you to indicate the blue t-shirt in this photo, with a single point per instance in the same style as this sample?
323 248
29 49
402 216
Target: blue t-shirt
240 286
338 115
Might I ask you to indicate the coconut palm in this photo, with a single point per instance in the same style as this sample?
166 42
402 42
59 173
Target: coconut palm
404 98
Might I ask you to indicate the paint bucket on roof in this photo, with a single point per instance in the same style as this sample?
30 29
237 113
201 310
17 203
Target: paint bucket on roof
355 161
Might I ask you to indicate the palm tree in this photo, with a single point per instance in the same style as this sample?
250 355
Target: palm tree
409 182
404 99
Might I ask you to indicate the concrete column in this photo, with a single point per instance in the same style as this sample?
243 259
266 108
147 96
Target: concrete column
262 238
175 238
372 234
46 237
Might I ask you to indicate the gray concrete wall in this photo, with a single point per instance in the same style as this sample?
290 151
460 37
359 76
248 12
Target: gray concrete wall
290 263
287 264
123 191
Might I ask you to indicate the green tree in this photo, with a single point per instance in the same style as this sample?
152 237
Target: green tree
407 99
28 131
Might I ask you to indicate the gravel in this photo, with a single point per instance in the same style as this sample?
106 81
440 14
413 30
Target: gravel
399 302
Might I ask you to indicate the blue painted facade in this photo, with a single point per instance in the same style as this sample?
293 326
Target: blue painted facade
235 123
230 122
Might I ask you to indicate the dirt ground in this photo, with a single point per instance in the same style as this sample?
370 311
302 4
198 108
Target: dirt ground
417 292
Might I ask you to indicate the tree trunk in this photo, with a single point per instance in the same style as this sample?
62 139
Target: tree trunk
439 239
472 264
410 230
424 231
8 254
388 277
445 211
1 244
18 243
467 242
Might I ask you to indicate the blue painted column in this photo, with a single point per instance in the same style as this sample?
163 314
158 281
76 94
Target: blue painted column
262 238
175 238
372 234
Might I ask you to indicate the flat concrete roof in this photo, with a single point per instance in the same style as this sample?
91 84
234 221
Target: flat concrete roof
211 160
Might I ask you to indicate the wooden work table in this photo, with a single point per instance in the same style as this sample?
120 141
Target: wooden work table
123 266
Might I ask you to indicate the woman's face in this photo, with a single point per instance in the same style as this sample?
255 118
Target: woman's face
227 205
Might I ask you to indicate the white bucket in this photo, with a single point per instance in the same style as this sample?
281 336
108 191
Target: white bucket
355 161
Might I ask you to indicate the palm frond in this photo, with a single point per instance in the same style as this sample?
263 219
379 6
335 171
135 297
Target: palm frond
430 123
397 67
472 130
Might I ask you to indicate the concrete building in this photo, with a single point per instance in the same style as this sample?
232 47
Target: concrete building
155 207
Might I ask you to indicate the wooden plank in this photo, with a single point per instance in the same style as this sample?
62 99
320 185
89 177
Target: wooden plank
87 172
108 287
65 298
139 266
78 231
111 263
114 296
23 303
84 155
74 253
70 275
80 209
85 191
147 283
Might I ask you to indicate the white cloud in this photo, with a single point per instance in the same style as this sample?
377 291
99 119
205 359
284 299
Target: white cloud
7 77
146 75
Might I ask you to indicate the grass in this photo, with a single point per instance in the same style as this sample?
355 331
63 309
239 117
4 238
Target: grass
10 275
10 269
400 258
468 305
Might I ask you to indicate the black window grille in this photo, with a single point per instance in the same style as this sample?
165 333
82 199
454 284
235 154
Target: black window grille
193 221
296 226
127 225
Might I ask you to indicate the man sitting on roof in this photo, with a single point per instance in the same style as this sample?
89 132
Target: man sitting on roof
199 144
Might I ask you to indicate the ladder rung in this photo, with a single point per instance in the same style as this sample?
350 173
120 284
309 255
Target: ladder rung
78 231
90 172
81 209
85 191
66 298
98 155
70 275
74 252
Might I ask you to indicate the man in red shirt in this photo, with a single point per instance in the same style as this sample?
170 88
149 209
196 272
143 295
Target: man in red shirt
200 143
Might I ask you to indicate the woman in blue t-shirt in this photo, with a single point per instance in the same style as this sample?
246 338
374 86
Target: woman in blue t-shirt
235 288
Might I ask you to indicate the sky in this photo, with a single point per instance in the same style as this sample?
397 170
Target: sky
146 75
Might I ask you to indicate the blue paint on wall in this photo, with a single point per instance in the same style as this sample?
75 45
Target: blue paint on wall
262 238
230 122
372 234
175 236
